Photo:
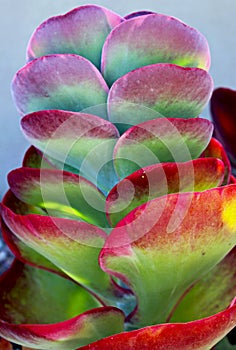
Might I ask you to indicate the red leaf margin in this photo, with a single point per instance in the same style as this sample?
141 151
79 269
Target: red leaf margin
201 334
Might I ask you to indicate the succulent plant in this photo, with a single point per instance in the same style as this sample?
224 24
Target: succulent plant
122 217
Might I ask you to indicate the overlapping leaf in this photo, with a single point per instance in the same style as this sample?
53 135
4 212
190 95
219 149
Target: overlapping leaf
58 326
83 141
161 248
160 179
60 81
161 140
171 249
149 39
166 90
201 335
59 193
71 33
70 245
211 294
34 158
215 149
26 254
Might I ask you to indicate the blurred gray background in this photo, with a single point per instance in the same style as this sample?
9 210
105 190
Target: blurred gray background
18 18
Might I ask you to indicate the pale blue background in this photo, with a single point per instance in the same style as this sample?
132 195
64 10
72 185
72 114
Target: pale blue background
18 18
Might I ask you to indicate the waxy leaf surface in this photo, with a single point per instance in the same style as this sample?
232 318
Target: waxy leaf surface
81 31
26 254
211 294
34 158
82 141
60 81
24 285
166 90
160 179
201 335
70 245
164 246
24 290
59 193
151 39
161 140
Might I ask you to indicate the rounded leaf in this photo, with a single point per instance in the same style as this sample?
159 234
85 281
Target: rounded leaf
160 179
161 140
166 90
164 246
60 81
81 31
152 38
38 308
82 141
202 334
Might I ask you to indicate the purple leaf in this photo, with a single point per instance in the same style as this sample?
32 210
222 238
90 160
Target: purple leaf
61 81
149 39
81 31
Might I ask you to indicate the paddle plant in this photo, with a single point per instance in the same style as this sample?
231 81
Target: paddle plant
122 216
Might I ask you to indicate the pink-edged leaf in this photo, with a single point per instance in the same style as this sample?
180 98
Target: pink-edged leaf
72 246
60 81
215 149
161 140
211 294
81 31
22 286
40 310
19 207
59 194
160 179
82 141
166 90
154 38
201 335
164 246
20 249
26 254
223 107
34 158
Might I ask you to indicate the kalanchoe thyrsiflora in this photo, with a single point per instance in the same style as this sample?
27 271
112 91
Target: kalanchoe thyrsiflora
122 217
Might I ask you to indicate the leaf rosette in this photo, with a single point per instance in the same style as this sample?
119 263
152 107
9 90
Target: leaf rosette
122 216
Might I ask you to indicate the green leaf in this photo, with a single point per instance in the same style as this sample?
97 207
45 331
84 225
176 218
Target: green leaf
157 91
161 140
40 310
211 294
164 246
160 179
150 39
